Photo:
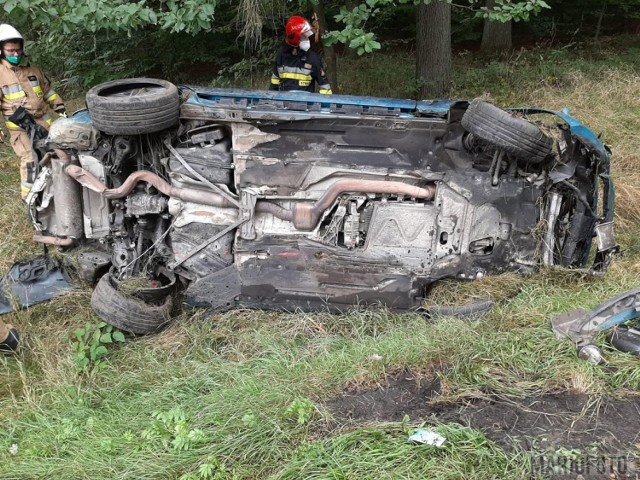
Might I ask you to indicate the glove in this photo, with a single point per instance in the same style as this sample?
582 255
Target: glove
61 112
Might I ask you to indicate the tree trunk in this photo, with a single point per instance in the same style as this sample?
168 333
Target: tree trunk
600 17
496 36
329 52
433 48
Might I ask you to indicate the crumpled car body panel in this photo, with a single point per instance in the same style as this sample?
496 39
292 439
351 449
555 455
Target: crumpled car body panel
305 201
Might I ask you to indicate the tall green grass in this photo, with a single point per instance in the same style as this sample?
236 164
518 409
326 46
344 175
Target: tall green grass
243 394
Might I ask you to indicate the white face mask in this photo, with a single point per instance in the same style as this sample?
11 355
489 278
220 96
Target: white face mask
305 45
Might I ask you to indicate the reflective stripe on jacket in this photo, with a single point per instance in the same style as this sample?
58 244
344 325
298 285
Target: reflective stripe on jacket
24 85
295 69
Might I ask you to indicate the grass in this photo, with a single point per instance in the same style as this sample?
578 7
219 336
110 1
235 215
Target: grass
241 394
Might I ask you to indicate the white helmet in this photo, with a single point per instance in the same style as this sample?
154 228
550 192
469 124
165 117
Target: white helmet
7 32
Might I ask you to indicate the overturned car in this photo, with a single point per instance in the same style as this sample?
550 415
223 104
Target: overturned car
229 198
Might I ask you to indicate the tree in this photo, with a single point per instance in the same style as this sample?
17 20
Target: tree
496 36
433 54
191 16
329 50
433 48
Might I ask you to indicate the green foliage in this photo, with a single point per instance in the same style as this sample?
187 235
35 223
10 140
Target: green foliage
95 58
172 430
211 469
249 72
354 31
89 345
506 11
374 452
190 16
301 409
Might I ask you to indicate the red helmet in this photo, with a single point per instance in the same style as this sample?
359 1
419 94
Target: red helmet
297 28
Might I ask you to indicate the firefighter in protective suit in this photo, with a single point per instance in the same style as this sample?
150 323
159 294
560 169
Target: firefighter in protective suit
24 85
296 66
8 338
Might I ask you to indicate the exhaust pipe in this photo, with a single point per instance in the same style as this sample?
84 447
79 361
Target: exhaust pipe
89 181
305 216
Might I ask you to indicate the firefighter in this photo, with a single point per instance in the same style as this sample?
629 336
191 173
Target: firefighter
8 338
24 84
296 66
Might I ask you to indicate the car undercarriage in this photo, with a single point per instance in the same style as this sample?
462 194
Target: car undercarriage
225 198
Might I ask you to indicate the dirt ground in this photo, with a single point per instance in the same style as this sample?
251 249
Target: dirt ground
600 435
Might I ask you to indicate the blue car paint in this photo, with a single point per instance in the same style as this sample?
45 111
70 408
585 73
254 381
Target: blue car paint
250 99
584 134
245 98
619 319
81 116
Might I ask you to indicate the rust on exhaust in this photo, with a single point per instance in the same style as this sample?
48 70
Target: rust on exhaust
305 216
46 159
89 181
49 240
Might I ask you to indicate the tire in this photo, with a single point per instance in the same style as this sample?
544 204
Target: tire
519 137
134 106
625 339
126 312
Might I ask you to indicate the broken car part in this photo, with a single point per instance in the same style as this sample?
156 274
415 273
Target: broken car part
293 200
30 282
581 326
625 338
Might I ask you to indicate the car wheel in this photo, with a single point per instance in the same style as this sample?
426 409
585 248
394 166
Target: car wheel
517 136
127 312
625 339
133 106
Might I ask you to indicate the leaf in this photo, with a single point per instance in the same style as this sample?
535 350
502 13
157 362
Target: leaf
82 11
10 5
205 470
118 336
101 350
106 338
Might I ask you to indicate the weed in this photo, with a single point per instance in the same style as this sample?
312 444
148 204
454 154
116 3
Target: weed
172 430
89 345
301 409
211 469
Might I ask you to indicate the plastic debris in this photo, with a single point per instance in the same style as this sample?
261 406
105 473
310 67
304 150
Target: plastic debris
427 437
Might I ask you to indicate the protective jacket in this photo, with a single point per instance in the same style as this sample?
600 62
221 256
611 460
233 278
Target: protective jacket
25 85
295 69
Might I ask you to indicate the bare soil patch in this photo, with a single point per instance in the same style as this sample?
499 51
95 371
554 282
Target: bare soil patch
595 425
